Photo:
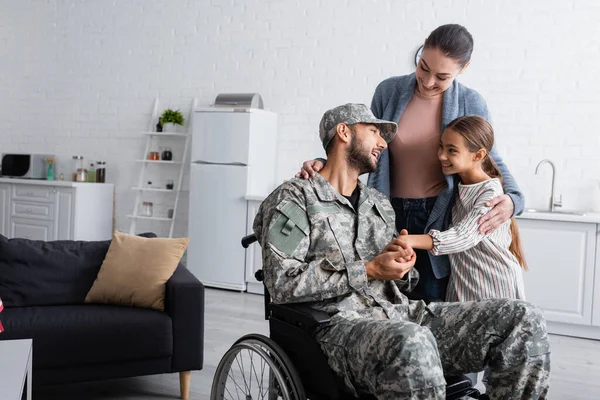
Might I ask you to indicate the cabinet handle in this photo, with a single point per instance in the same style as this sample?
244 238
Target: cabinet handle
29 210
29 193
53 190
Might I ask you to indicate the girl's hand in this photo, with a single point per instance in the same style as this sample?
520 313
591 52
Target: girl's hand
401 244
501 212
309 168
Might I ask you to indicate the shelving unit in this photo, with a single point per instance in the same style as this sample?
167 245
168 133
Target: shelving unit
158 162
140 189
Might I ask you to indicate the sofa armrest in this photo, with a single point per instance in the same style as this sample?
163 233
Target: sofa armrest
184 302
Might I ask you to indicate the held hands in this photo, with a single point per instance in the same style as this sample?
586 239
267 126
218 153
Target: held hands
401 243
394 262
309 168
501 212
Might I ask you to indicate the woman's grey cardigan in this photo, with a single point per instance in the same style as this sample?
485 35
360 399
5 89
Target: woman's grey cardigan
389 101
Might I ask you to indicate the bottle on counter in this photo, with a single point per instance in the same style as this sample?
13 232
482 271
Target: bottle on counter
91 173
101 172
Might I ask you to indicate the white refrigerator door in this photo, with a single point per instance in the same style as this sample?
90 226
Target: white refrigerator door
221 137
217 224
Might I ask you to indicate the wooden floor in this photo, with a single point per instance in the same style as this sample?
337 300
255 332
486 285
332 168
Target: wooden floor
229 315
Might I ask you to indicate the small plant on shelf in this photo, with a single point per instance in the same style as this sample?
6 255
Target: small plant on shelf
170 118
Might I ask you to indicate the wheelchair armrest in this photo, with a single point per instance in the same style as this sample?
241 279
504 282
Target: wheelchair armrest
419 296
299 315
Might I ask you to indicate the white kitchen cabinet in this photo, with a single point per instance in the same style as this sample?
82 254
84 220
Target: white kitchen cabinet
561 258
56 210
253 253
596 300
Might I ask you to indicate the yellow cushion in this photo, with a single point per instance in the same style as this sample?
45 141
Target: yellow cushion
135 271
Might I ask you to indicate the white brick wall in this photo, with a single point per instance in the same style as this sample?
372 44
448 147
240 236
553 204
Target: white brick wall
79 77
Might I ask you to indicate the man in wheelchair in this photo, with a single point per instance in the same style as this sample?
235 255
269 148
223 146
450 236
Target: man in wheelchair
328 242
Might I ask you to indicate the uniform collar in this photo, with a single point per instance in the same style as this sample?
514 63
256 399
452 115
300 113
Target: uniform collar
326 192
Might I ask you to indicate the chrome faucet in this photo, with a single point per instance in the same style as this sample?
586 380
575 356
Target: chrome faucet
552 204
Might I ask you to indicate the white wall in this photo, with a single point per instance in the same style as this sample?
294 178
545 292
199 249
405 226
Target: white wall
79 77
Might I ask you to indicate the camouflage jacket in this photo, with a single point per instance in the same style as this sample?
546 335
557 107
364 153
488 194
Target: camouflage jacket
315 245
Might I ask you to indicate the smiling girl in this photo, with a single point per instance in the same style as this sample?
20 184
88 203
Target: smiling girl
482 266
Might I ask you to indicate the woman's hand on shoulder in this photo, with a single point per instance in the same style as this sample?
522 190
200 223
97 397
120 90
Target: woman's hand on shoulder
309 168
502 210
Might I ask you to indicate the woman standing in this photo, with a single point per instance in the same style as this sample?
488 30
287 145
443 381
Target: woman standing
409 171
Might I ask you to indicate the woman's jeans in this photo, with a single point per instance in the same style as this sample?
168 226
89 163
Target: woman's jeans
412 215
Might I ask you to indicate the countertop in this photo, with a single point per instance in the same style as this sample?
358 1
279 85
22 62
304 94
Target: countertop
590 217
43 182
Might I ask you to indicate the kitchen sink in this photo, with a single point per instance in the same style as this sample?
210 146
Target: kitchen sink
566 212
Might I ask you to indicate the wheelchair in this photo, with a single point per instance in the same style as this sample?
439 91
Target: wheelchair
290 364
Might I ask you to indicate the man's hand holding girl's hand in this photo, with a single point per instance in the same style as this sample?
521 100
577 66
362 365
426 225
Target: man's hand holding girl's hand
402 243
396 259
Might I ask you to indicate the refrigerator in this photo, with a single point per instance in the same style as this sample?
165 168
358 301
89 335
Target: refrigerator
233 158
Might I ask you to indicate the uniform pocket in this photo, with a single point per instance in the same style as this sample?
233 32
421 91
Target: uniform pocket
289 228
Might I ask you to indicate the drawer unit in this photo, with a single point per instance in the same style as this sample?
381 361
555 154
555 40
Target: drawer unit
56 210
45 194
23 209
31 229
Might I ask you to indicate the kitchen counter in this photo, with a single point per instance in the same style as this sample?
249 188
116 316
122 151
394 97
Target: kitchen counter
590 217
43 182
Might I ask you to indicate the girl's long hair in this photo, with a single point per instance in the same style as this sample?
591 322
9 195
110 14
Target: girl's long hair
479 134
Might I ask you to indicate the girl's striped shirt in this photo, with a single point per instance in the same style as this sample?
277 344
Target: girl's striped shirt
482 266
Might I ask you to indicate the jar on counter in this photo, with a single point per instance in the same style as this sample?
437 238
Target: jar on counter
170 184
146 210
79 171
153 156
101 172
91 173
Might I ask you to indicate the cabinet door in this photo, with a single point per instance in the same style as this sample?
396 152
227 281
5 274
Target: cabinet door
64 211
4 208
596 305
253 253
31 229
560 256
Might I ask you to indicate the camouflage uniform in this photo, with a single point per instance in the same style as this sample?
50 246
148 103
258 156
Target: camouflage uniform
314 248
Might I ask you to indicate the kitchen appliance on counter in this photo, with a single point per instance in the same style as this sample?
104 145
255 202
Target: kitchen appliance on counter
233 156
25 166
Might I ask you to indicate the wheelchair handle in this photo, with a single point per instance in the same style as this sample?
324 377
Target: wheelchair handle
248 240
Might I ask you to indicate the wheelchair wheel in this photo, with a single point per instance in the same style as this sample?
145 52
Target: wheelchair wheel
255 368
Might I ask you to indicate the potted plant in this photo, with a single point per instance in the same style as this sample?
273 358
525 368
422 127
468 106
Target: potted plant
169 119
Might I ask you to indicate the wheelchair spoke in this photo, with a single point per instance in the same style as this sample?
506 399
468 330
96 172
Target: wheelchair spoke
236 386
242 370
250 372
258 382
262 379
238 396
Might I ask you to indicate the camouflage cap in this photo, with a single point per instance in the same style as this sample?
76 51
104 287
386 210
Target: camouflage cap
353 113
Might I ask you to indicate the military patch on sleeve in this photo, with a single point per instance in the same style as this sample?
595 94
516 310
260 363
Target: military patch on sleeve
289 228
